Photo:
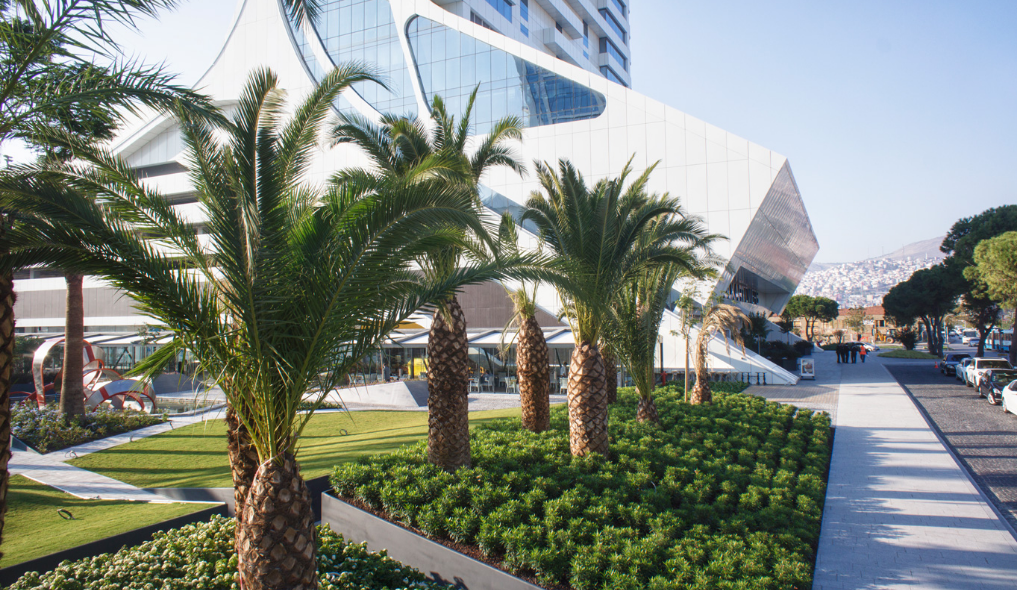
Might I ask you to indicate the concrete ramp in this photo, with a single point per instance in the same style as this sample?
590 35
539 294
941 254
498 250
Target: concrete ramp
400 394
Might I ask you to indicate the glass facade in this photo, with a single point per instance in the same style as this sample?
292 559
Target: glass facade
777 247
364 31
313 67
612 76
451 65
503 8
621 8
524 9
614 24
606 46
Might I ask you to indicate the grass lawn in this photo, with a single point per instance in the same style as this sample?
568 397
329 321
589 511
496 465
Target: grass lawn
195 456
34 529
907 354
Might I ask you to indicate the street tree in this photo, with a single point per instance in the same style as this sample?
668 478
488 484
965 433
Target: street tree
811 310
929 295
959 244
996 268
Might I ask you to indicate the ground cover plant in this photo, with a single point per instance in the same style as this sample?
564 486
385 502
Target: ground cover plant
202 557
34 528
46 430
195 455
722 495
907 354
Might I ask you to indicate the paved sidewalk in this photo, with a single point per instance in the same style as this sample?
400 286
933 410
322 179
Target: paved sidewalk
819 395
900 511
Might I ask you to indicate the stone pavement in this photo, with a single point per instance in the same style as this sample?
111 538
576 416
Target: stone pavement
819 395
900 511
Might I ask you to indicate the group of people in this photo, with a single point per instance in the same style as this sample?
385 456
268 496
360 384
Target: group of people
854 350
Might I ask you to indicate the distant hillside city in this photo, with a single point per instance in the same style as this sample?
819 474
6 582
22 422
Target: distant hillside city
863 283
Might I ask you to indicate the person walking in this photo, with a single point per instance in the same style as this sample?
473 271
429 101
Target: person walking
863 352
854 353
840 353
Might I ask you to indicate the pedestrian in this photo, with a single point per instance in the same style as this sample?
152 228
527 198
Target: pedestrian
840 353
863 352
854 353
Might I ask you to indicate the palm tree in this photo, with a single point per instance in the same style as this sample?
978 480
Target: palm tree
600 239
639 310
404 149
727 321
298 283
49 79
532 368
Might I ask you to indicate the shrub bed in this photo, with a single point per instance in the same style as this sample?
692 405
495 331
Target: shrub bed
45 430
202 557
727 495
907 354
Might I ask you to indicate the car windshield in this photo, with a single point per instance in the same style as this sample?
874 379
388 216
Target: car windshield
994 364
1003 377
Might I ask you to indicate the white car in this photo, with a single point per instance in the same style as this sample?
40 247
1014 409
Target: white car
969 337
961 370
978 366
1010 397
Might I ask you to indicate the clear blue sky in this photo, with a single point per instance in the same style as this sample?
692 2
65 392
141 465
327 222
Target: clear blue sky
898 117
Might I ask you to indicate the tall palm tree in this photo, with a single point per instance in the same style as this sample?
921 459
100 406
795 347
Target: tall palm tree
49 78
299 282
727 321
599 236
414 151
639 309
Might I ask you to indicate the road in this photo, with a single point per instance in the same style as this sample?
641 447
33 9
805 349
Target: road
981 435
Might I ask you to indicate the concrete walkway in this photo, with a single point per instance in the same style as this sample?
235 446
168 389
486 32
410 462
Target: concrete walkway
900 511
50 469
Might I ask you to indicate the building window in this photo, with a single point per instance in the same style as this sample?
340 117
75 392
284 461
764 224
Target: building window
610 75
622 10
508 85
557 25
615 25
606 46
586 36
526 32
524 9
477 20
503 8
362 31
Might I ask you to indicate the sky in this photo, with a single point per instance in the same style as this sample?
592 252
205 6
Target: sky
898 117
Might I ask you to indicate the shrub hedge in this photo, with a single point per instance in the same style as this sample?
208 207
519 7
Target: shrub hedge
45 430
727 495
202 557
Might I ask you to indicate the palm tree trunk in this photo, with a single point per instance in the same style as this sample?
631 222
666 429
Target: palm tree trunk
534 376
72 390
587 401
448 417
6 372
275 542
701 392
646 411
243 462
611 377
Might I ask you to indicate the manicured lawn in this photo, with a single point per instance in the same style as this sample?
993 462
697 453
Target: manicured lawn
34 529
907 354
195 456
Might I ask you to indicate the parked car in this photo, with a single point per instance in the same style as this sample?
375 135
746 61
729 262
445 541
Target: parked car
1009 397
948 366
977 368
962 369
993 383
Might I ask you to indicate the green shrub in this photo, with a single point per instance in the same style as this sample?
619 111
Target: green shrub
45 430
202 557
725 495
907 354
